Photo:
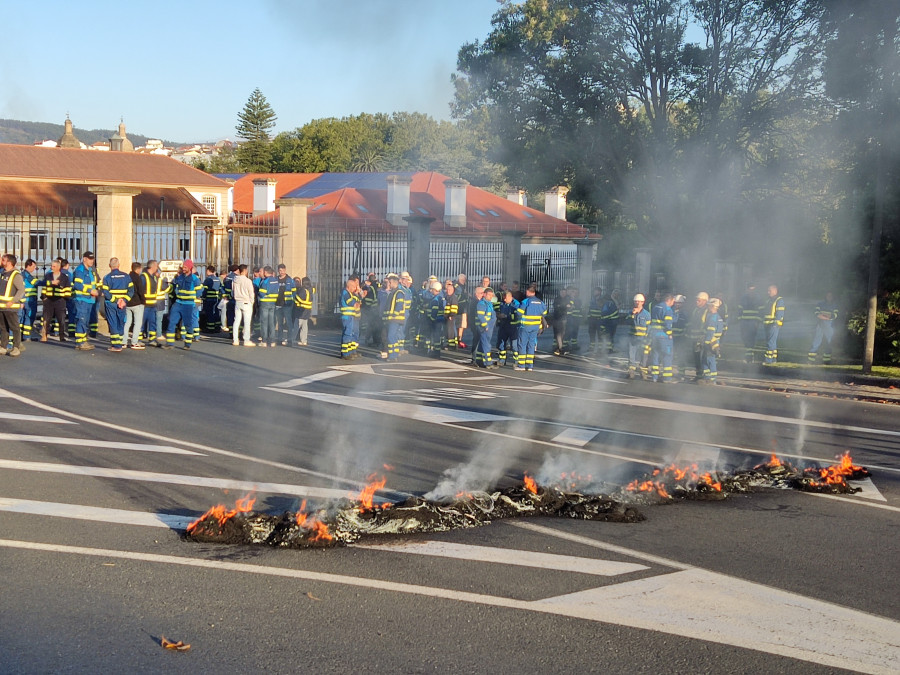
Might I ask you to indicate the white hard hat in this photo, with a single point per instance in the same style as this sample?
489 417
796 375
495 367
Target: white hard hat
639 297
436 285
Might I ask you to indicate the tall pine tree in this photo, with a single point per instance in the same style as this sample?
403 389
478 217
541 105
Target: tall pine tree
255 122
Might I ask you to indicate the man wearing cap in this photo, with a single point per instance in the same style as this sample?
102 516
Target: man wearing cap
85 292
118 289
487 319
712 335
184 291
639 341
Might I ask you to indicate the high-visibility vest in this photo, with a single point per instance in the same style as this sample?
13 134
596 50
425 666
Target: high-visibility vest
7 292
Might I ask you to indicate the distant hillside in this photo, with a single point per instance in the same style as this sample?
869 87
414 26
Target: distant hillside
20 132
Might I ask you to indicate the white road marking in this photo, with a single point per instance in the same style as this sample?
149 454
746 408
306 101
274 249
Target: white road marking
315 377
95 513
46 419
852 500
445 416
89 443
190 444
575 436
175 479
700 454
762 618
740 414
505 556
868 489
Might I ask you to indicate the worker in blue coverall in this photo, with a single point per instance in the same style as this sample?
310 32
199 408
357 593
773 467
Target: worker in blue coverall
118 289
487 319
184 291
350 305
661 321
714 327
84 292
772 314
532 314
826 312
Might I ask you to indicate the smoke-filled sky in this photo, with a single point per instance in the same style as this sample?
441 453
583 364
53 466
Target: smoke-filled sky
182 70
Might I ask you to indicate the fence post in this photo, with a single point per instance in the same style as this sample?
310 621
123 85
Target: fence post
115 225
585 267
512 256
418 247
293 226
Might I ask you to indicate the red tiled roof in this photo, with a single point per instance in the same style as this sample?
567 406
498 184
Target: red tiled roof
427 193
285 182
89 167
62 199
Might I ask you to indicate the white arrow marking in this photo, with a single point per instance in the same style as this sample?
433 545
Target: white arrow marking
869 491
575 436
505 556
95 513
315 377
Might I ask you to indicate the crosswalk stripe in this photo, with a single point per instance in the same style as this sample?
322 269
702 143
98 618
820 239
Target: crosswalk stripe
315 377
504 556
193 481
45 419
95 513
576 436
90 443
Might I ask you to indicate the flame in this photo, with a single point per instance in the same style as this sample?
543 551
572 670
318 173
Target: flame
223 514
463 496
318 529
836 474
648 486
708 480
774 461
368 492
530 485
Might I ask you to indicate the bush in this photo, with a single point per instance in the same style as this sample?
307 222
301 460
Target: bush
887 328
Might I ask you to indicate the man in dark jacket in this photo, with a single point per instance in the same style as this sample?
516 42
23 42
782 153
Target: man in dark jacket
134 309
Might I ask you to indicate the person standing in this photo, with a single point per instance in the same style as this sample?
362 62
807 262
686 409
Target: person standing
826 312
748 316
593 319
55 285
773 320
697 331
462 303
212 293
117 290
472 319
714 328
507 330
184 291
487 319
560 315
134 308
451 312
85 292
28 313
408 300
574 314
12 295
70 298
227 316
150 287
303 291
639 341
284 307
661 322
268 295
243 293
532 312
437 318
394 316
350 305
609 319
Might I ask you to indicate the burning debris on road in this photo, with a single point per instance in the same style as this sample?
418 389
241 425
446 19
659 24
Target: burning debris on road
349 520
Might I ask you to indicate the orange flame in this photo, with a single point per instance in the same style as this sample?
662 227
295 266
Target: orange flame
318 529
530 485
648 486
463 496
774 461
707 479
223 514
836 473
368 492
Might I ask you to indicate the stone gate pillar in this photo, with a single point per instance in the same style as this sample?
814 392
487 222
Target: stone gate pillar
585 268
294 225
418 248
512 257
115 225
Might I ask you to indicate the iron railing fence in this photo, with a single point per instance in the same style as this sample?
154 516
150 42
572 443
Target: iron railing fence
45 234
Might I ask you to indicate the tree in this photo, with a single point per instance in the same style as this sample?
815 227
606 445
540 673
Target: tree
255 122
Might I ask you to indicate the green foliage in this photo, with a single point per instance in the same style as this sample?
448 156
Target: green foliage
225 161
887 328
255 121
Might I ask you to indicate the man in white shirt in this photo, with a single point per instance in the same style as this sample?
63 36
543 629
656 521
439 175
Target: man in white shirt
243 293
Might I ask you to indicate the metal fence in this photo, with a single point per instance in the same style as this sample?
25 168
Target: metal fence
550 268
43 235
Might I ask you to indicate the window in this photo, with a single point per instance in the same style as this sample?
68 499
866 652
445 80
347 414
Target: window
68 243
209 203
362 208
527 215
184 245
493 213
318 206
480 212
37 242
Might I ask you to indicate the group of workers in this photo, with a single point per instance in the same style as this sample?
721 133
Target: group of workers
144 305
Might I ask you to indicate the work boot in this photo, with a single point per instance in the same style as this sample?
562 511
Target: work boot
15 351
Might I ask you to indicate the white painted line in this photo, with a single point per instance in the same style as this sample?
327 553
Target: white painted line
868 489
95 513
89 443
420 413
693 603
708 606
45 419
852 500
175 479
700 454
315 377
740 414
504 556
575 436
190 444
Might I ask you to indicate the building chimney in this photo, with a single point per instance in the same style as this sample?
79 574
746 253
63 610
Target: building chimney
455 202
517 195
555 202
398 199
263 195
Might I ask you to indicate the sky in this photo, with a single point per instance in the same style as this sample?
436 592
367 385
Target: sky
182 71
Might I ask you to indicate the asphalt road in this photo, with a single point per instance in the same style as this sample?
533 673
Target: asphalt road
104 457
